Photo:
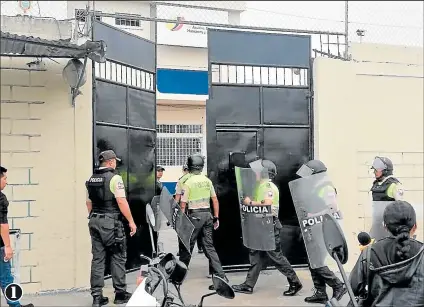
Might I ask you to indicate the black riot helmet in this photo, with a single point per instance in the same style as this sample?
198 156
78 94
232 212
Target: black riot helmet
384 164
195 162
270 167
312 167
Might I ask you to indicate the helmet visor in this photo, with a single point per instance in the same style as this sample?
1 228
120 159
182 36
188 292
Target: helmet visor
304 171
378 164
257 167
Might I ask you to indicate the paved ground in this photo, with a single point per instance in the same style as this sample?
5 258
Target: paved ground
268 291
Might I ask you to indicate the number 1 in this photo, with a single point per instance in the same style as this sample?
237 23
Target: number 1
13 292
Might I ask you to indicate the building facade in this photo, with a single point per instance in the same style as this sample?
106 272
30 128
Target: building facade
182 70
47 144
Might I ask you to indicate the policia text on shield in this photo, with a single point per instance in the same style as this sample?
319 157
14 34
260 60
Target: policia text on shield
107 204
259 206
313 196
196 195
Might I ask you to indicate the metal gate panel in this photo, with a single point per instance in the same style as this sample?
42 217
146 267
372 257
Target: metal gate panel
258 82
255 48
124 113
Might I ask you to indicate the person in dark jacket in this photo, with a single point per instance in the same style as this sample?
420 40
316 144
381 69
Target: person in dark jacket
159 174
396 263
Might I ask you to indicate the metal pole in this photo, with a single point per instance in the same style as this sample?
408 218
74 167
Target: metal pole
347 29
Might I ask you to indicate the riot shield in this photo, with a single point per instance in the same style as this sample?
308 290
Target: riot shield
257 223
313 196
377 230
419 235
157 214
175 216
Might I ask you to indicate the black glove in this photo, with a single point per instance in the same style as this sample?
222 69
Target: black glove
215 219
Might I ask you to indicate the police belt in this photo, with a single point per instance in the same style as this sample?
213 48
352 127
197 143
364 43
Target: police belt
115 216
190 211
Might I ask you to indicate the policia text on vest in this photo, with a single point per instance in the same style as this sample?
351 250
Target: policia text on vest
107 205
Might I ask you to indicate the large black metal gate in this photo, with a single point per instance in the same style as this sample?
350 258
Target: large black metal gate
124 113
259 104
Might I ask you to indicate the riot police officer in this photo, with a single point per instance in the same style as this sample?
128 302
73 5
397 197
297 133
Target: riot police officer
323 275
385 187
106 204
178 189
196 194
267 193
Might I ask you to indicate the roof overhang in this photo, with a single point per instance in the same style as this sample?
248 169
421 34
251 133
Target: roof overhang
38 47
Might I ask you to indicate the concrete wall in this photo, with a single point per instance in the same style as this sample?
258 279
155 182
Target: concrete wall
46 146
372 105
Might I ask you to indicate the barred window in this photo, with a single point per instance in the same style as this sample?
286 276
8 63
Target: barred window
240 74
176 142
120 73
127 22
81 15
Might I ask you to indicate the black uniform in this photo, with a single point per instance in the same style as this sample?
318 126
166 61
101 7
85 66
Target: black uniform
107 234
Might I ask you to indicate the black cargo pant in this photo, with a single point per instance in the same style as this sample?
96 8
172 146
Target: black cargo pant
322 276
107 236
258 261
203 223
199 241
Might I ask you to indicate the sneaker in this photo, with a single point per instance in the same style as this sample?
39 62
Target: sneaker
122 298
98 301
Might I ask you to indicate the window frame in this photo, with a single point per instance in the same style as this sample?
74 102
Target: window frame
200 136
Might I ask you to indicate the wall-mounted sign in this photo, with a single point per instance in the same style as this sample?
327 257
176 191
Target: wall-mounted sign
178 34
24 6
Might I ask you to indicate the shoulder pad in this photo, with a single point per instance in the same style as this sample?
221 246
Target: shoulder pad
393 179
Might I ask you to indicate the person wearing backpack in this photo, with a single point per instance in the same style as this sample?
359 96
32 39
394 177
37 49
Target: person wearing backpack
390 272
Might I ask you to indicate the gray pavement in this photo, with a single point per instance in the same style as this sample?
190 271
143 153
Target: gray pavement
268 291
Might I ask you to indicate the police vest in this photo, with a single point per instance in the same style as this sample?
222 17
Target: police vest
379 191
200 188
182 180
260 191
98 186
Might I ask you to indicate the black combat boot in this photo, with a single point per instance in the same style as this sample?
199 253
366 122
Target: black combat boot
122 298
339 291
319 297
243 288
100 300
293 289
